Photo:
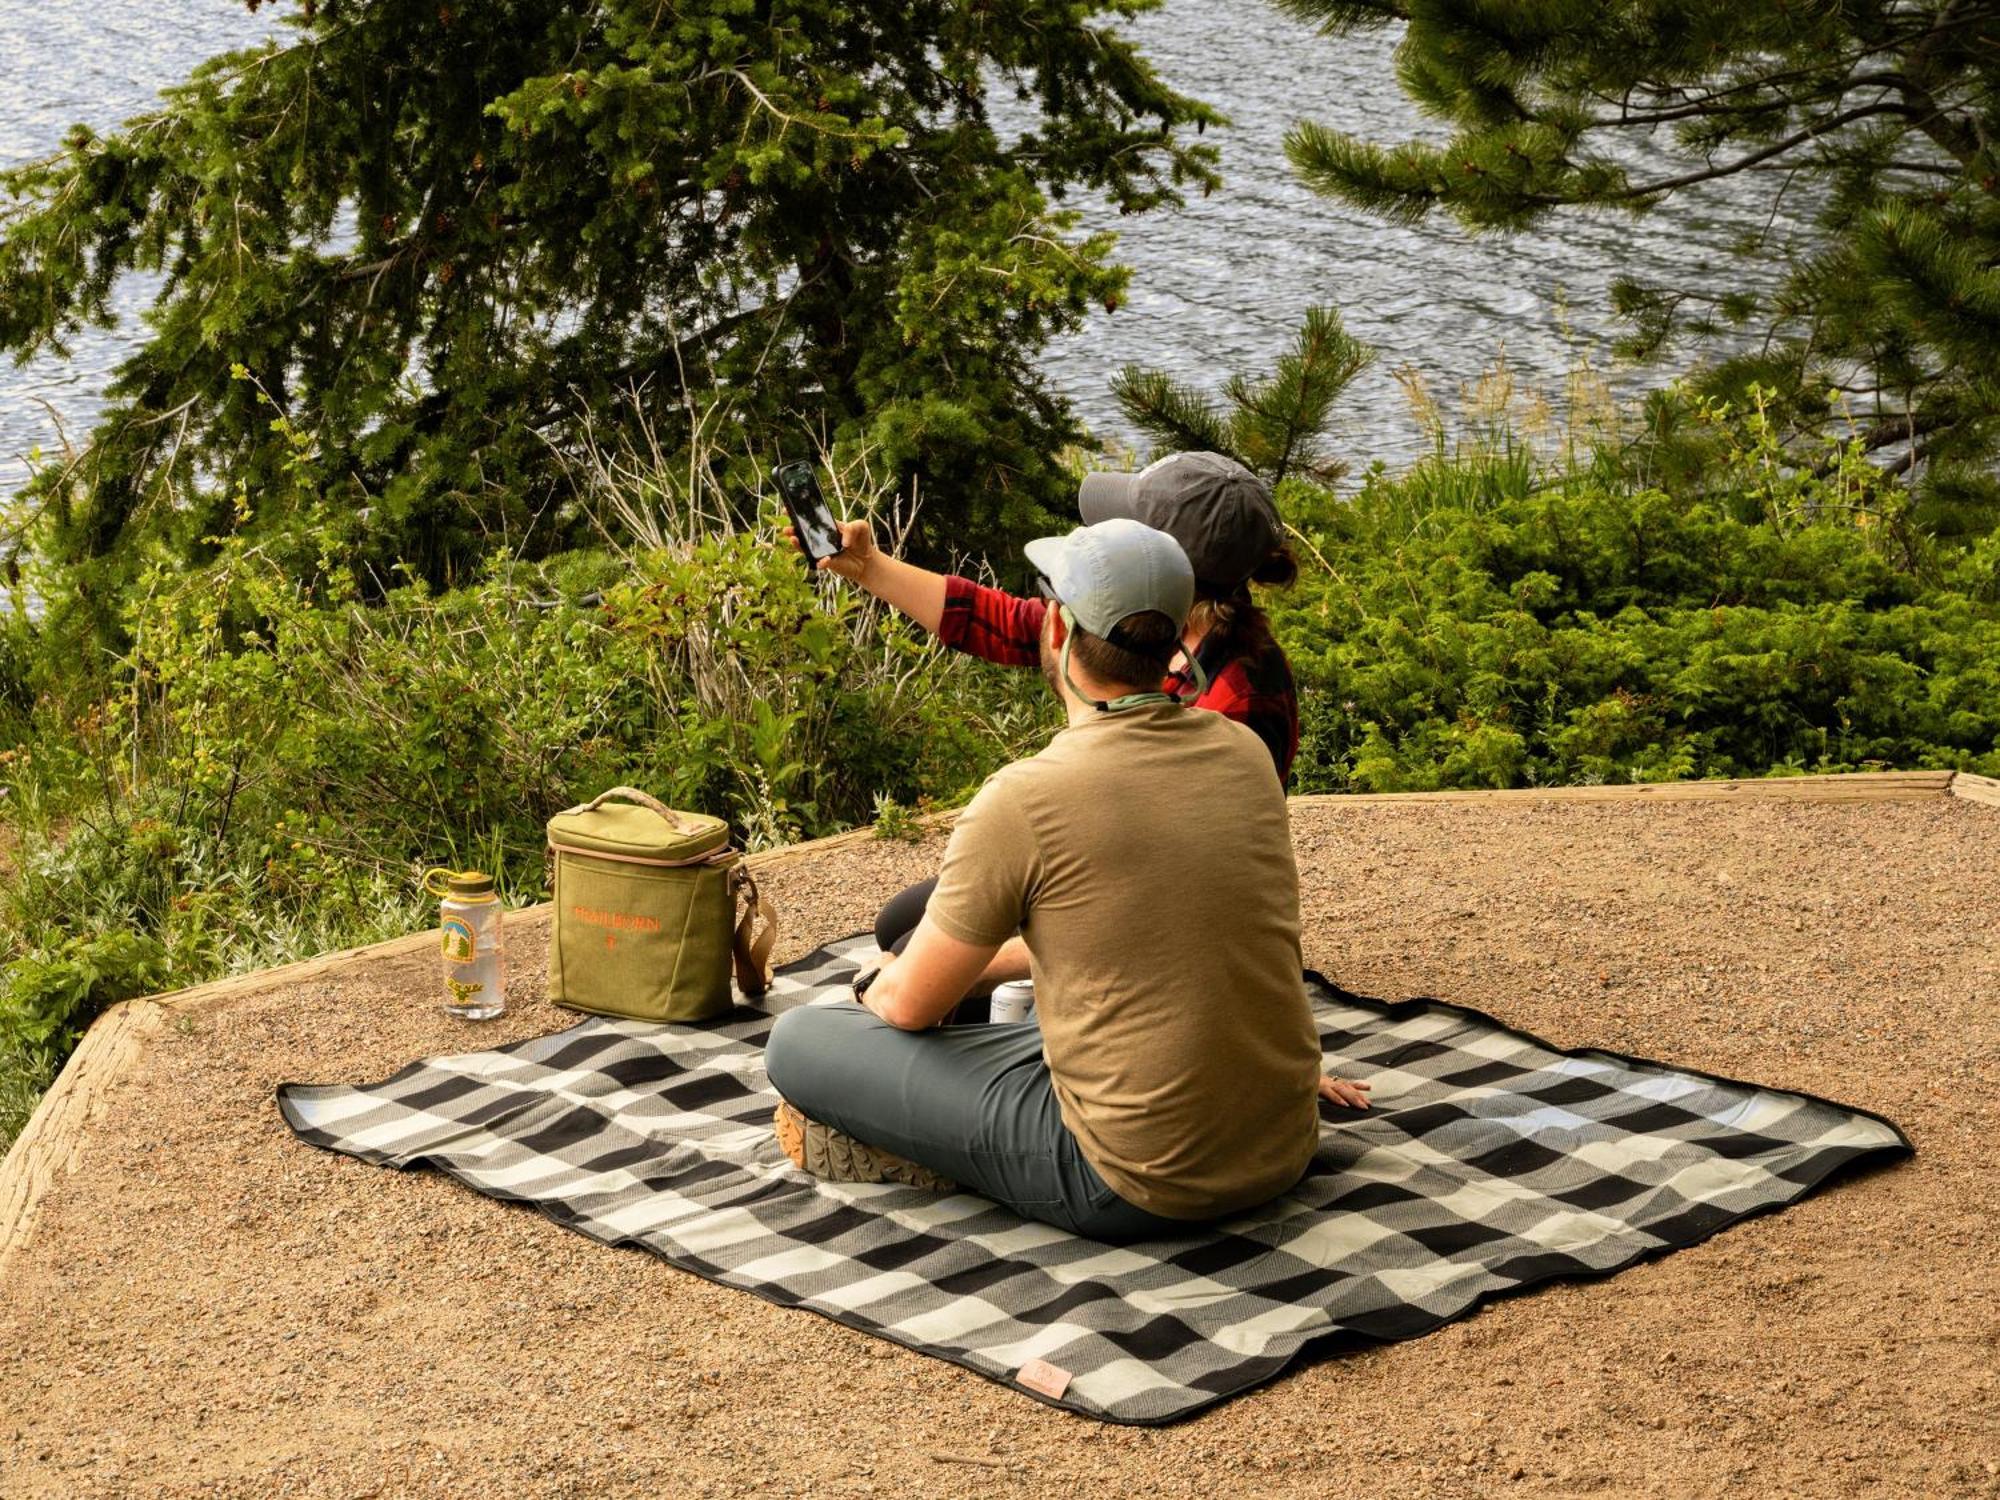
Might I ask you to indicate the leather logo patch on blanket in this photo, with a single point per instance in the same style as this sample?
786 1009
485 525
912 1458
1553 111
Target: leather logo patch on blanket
1047 1379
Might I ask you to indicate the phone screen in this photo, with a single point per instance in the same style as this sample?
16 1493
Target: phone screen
798 487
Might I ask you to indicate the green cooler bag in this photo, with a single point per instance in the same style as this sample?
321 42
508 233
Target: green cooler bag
646 912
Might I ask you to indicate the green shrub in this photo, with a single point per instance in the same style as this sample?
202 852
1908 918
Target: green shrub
271 766
25 1072
52 995
1500 635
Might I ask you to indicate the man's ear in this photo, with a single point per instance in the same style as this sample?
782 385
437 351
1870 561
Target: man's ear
1058 626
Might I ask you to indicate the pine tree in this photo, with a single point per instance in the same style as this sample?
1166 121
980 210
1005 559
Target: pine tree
443 239
1887 112
1275 426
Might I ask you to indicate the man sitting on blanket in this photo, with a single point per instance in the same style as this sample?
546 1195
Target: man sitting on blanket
1145 860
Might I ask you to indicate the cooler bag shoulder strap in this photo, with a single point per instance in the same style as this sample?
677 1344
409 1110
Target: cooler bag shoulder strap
755 936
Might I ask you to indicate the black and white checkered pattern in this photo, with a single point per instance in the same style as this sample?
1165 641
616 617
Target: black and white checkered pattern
1490 1162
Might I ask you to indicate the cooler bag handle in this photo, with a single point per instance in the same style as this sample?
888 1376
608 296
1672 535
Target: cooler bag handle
681 822
750 949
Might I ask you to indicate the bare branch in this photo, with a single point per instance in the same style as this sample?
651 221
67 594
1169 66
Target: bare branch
1730 169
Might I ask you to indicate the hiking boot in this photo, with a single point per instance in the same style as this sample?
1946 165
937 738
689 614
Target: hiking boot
835 1156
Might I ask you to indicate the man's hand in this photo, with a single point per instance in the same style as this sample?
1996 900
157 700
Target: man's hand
917 592
1339 1091
857 550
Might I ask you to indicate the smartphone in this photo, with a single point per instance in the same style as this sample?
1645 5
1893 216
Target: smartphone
818 534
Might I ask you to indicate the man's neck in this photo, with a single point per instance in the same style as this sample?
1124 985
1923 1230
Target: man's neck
1082 709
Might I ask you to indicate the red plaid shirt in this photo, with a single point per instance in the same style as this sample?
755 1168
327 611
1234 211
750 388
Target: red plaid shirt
1256 690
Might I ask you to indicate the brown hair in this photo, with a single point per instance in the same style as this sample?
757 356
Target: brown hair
1152 634
1233 621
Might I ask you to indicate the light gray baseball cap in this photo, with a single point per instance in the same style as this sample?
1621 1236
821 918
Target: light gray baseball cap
1221 513
1114 570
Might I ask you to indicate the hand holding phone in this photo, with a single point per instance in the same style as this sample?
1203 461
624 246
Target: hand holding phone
818 534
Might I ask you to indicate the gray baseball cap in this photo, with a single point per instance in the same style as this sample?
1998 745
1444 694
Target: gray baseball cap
1220 512
1114 570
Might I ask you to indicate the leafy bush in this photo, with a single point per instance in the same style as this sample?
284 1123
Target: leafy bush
1461 627
270 767
52 996
25 1072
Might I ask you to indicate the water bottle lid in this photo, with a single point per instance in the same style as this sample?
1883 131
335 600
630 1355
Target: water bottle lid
472 883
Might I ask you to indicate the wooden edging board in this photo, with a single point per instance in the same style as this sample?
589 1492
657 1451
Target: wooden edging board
1857 786
1973 788
48 1145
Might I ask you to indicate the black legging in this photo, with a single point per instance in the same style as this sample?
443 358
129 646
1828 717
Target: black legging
900 914
895 922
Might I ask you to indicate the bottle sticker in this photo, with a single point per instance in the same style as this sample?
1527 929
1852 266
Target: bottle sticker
459 944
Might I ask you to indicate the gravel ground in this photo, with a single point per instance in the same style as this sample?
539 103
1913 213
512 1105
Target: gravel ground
209 1308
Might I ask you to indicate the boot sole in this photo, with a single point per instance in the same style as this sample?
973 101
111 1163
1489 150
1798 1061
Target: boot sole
835 1156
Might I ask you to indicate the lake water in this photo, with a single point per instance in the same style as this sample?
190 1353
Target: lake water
1218 287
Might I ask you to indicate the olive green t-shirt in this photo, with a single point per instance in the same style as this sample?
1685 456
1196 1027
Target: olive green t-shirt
1146 858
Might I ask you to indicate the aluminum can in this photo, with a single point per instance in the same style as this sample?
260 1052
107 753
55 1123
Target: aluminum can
1013 1001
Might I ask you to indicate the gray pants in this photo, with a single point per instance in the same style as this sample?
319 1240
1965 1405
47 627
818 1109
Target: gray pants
971 1102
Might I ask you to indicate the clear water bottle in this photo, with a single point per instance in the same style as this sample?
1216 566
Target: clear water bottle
475 977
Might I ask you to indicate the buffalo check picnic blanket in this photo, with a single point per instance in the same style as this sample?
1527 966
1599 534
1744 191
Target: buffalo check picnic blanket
1490 1162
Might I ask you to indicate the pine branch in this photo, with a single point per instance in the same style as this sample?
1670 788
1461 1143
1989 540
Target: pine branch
1711 106
1891 112
1490 181
1730 169
1279 422
1179 417
1342 17
1944 285
1400 183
